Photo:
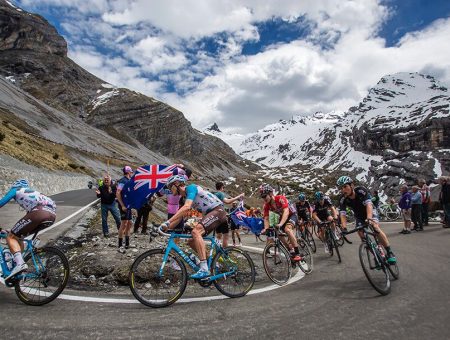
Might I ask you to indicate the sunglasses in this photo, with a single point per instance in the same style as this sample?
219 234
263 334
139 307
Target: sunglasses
263 196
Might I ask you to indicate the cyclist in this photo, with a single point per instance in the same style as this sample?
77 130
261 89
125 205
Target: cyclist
39 207
288 217
303 208
214 216
360 201
324 210
222 232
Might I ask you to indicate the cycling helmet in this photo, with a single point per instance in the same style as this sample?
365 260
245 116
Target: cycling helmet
343 180
265 189
302 197
318 195
175 178
21 183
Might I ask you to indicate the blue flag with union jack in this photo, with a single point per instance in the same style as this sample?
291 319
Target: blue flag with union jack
240 218
147 180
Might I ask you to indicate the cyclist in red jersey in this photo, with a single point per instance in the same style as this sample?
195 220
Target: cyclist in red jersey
279 204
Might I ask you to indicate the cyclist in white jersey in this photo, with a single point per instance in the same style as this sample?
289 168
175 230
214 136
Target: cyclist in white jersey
208 204
40 209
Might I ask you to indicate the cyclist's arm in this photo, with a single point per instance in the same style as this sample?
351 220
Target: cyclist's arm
343 219
175 219
284 217
119 198
266 223
334 211
314 215
11 194
369 210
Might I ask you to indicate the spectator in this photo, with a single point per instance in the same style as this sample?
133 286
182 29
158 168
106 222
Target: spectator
426 200
416 208
125 213
222 231
405 205
142 215
444 198
107 194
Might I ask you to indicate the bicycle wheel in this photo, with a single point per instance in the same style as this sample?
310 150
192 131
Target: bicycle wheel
277 263
336 248
329 240
241 268
45 278
306 265
152 287
310 239
374 269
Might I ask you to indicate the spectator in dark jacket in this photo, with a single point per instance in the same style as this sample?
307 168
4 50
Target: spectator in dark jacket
405 205
143 213
444 197
416 208
107 194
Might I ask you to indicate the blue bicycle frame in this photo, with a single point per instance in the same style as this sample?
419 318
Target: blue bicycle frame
171 245
28 248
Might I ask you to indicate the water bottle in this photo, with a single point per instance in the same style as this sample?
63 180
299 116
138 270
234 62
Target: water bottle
8 258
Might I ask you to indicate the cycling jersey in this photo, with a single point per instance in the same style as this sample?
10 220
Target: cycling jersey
304 208
278 205
28 199
322 210
358 204
203 200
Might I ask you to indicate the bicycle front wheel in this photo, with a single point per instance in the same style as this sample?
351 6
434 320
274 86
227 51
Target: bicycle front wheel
374 269
310 240
45 278
306 264
154 287
239 269
277 263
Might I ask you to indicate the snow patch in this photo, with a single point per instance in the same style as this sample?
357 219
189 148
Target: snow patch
104 98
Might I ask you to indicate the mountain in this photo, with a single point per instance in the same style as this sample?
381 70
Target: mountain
33 57
397 134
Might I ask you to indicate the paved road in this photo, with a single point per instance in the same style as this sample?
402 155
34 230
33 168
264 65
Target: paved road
67 203
334 302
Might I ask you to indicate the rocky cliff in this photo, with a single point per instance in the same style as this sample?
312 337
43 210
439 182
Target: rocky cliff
34 56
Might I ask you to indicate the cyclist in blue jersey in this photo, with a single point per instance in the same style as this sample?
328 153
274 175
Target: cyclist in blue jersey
208 204
40 209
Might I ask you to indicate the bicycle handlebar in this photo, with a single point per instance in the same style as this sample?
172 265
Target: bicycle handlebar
162 233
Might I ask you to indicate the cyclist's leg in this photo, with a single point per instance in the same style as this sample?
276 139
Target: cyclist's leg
25 227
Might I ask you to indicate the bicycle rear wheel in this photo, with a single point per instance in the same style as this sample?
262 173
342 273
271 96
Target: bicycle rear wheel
277 263
45 278
374 269
241 268
152 287
306 264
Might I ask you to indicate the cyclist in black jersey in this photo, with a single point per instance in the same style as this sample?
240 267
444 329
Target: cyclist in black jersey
324 210
360 201
303 208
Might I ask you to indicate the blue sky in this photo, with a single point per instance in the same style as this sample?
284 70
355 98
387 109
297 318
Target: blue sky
247 63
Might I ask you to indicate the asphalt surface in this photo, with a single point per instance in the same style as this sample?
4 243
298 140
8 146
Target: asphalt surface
334 302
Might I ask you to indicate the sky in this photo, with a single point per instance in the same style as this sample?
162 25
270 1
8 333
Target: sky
248 63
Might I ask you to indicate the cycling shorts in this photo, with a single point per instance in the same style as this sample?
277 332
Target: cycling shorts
216 219
32 221
293 219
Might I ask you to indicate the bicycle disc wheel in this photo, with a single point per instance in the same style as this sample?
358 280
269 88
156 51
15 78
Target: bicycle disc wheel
45 278
375 270
306 265
155 289
277 263
241 268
